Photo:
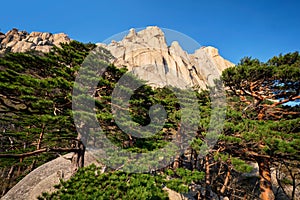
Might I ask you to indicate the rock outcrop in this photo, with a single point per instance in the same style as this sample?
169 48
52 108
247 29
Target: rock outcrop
21 41
147 55
43 178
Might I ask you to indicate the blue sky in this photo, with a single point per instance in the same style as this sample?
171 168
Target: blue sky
238 28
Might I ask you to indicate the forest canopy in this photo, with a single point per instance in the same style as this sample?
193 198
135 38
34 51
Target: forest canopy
261 129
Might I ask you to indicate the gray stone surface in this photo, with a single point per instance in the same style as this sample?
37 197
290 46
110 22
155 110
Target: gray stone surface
43 178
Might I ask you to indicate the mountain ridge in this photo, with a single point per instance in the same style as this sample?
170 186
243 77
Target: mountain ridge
147 55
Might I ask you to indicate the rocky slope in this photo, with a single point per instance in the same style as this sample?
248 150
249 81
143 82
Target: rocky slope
147 55
21 41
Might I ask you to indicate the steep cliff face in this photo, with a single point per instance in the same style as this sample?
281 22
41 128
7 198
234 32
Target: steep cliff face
21 41
147 55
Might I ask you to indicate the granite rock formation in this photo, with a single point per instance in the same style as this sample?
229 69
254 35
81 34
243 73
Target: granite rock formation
22 41
147 55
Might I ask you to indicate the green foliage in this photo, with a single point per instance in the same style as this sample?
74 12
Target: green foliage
140 102
240 165
88 183
248 61
258 124
287 59
180 178
35 100
36 97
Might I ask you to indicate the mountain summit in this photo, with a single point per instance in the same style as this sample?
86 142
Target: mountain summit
147 55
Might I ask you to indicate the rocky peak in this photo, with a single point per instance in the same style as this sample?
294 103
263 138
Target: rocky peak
146 54
21 41
152 36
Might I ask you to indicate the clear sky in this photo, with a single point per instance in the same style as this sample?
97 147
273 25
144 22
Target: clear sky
238 28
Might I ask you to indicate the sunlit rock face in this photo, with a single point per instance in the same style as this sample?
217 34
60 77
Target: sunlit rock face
22 41
147 55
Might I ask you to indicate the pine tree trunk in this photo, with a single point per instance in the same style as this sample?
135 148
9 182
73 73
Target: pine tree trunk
78 157
19 167
38 146
193 159
207 178
226 181
176 163
265 185
8 178
10 173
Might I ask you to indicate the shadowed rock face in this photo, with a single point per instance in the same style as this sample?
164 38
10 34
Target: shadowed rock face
21 41
147 55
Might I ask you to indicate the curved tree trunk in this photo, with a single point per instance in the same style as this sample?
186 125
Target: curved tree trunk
265 185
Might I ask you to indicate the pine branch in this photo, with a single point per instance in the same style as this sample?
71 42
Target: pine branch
32 153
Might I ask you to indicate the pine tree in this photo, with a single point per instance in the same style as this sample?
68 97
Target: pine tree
35 107
263 90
